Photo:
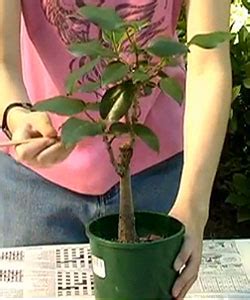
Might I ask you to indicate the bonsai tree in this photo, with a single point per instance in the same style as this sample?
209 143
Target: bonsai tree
131 72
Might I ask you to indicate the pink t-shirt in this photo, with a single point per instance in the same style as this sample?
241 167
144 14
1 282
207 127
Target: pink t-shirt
48 27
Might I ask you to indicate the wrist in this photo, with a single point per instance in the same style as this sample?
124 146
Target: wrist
195 190
9 122
193 209
15 117
198 179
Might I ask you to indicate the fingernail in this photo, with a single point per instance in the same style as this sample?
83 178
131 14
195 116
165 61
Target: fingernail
178 264
175 293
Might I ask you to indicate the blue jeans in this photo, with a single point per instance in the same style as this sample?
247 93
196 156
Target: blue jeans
34 211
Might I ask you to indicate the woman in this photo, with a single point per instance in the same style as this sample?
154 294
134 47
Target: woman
48 192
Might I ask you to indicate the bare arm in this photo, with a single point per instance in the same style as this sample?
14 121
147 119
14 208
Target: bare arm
43 152
208 100
12 88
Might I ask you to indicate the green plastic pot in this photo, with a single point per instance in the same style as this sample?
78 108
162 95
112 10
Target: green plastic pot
135 271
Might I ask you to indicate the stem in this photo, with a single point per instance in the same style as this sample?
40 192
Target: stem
158 68
114 44
133 44
126 227
135 112
131 133
111 155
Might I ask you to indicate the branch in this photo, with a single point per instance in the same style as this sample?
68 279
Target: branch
114 44
126 150
111 154
158 68
133 44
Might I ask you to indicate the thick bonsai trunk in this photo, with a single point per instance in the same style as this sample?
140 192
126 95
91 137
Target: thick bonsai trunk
126 231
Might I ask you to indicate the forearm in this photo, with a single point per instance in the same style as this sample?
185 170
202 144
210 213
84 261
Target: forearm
208 100
11 83
12 88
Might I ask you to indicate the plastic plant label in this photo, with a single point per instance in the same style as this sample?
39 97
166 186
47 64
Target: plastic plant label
98 266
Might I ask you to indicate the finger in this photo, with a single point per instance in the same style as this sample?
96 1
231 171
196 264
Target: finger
27 152
53 154
41 122
188 274
183 255
186 288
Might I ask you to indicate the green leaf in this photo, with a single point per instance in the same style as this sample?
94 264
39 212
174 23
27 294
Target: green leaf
246 3
123 102
246 83
172 88
74 130
116 36
147 135
243 33
239 180
91 48
247 67
138 25
236 92
89 87
133 27
242 184
61 105
233 124
79 73
210 40
119 128
139 76
114 72
108 100
117 101
92 106
104 17
237 200
164 47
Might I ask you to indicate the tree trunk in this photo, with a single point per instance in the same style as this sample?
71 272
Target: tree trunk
127 232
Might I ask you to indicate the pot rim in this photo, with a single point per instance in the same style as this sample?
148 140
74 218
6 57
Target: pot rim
136 245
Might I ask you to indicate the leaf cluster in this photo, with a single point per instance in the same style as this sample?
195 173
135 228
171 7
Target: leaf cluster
131 72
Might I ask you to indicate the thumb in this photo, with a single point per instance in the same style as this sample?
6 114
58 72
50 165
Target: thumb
182 257
42 124
22 133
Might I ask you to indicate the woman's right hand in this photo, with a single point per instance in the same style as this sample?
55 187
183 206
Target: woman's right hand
46 149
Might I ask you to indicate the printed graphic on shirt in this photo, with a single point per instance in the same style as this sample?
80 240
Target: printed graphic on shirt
72 27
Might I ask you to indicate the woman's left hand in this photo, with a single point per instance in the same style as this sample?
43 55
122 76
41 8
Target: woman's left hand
189 258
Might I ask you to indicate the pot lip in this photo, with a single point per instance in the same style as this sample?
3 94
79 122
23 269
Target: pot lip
115 244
